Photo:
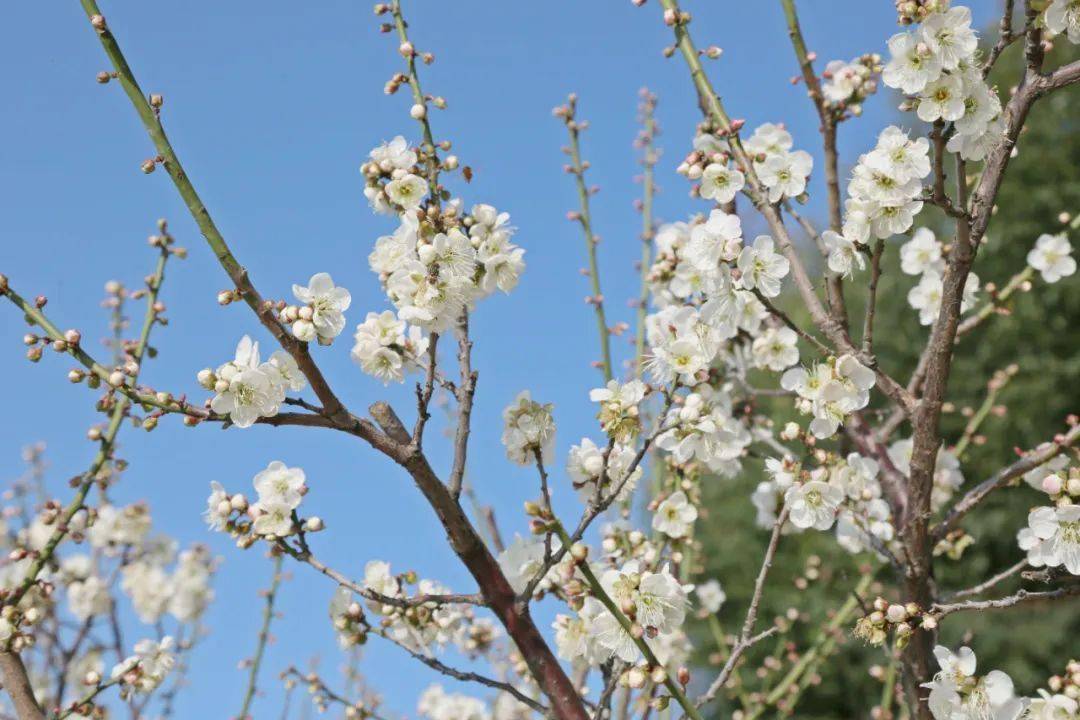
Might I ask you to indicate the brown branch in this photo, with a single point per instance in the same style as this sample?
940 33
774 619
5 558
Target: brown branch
746 638
1003 477
465 393
1022 597
990 582
18 686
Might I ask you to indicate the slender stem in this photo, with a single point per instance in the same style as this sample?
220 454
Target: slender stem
263 639
871 298
746 640
993 389
108 437
648 163
834 282
598 591
584 216
237 273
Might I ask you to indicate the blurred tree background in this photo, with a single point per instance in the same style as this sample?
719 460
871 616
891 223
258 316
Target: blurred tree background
813 575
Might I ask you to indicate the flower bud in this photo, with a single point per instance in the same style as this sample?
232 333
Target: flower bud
98 22
418 112
76 376
896 613
314 524
93 677
149 166
635 678
238 502
116 378
156 101
1052 484
579 551
72 337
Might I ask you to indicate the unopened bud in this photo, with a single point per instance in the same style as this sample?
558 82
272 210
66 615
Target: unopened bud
417 112
314 524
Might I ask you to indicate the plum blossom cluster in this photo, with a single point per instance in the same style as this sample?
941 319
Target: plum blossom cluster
654 603
704 428
883 195
830 391
246 388
321 314
272 516
848 84
948 478
1062 17
437 704
922 256
934 64
109 566
596 472
528 430
143 671
782 171
844 491
1052 257
1052 536
440 260
388 348
418 626
958 693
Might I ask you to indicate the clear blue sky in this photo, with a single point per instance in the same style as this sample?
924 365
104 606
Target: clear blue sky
272 107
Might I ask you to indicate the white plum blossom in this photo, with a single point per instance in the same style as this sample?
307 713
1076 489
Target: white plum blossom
387 348
711 596
717 239
394 154
328 304
912 66
523 559
762 267
956 693
246 389
769 140
407 191
675 516
1052 257
143 671
1063 16
921 254
785 174
619 415
437 704
528 429
843 254
1052 537
776 349
586 465
813 504
280 490
1052 707
720 183
926 296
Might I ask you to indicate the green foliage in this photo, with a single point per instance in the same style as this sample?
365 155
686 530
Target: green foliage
1039 334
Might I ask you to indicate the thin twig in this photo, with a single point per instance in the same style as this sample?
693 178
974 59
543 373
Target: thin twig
263 639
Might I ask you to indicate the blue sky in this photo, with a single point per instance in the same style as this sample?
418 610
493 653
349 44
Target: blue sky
272 109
